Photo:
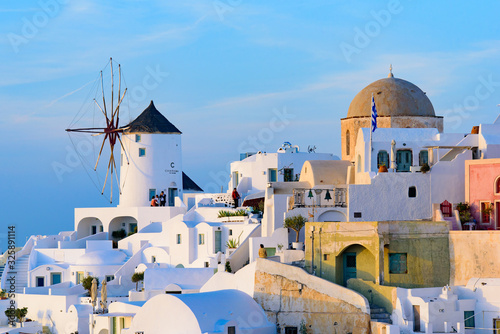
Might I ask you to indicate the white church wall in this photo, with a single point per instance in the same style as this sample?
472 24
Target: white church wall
387 198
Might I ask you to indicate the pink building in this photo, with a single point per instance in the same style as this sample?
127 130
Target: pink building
482 191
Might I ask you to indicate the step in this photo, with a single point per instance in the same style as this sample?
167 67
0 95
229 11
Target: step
380 316
375 310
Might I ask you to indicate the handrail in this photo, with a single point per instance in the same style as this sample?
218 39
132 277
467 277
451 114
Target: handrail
28 246
128 267
238 258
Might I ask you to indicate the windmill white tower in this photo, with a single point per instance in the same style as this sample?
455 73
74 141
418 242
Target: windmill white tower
153 147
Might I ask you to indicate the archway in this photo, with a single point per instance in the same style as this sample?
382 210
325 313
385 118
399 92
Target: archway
355 261
127 223
332 216
88 226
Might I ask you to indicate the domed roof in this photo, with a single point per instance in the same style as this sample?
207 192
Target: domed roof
393 97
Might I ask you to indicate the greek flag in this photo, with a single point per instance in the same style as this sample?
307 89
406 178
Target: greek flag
374 115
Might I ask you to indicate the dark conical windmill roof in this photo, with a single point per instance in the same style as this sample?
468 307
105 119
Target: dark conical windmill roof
151 121
188 184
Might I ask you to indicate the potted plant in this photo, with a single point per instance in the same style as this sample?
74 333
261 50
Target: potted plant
382 168
296 223
280 247
425 168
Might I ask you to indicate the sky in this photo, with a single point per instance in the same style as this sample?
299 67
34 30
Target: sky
232 75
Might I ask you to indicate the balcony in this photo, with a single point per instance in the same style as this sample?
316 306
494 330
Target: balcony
304 198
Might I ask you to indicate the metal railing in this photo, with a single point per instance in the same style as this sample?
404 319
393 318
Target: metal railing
336 197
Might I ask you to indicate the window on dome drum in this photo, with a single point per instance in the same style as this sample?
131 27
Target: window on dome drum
347 143
231 330
40 281
178 238
201 239
469 320
382 159
137 138
142 152
398 263
272 175
497 186
412 191
423 157
485 212
291 330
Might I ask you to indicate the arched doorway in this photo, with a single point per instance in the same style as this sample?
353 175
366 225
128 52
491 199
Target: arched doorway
88 226
355 261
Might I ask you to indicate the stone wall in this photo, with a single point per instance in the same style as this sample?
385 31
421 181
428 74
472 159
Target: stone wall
290 296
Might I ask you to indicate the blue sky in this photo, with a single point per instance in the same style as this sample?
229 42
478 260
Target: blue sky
221 71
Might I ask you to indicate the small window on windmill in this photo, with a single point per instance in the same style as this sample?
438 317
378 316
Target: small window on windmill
137 138
142 152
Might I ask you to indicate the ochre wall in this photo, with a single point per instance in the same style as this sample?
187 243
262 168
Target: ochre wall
425 243
474 254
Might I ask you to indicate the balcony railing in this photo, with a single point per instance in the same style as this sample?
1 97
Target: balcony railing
320 198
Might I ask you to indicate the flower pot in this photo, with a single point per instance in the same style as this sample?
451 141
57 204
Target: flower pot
298 245
382 169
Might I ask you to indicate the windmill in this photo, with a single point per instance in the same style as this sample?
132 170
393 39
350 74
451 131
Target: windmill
111 131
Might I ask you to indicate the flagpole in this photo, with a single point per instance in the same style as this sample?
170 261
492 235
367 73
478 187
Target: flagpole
370 146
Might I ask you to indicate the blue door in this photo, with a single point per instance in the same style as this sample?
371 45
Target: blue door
349 266
55 278
218 241
403 160
172 193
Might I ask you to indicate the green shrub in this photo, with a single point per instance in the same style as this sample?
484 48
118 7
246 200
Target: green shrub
137 277
120 234
296 223
87 283
225 213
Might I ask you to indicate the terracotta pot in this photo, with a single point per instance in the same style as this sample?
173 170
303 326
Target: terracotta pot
382 169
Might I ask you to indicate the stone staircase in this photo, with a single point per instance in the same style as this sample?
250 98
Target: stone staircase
379 314
21 273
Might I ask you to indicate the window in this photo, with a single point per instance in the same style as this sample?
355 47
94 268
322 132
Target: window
272 175
485 212
326 257
469 320
347 143
40 281
201 239
357 214
109 278
153 259
412 191
398 263
137 138
207 264
423 157
230 232
179 239
497 186
231 330
142 152
382 159
94 229
79 277
152 193
291 330
55 278
288 174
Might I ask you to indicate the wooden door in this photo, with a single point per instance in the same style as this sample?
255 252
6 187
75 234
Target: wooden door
416 318
218 241
403 160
